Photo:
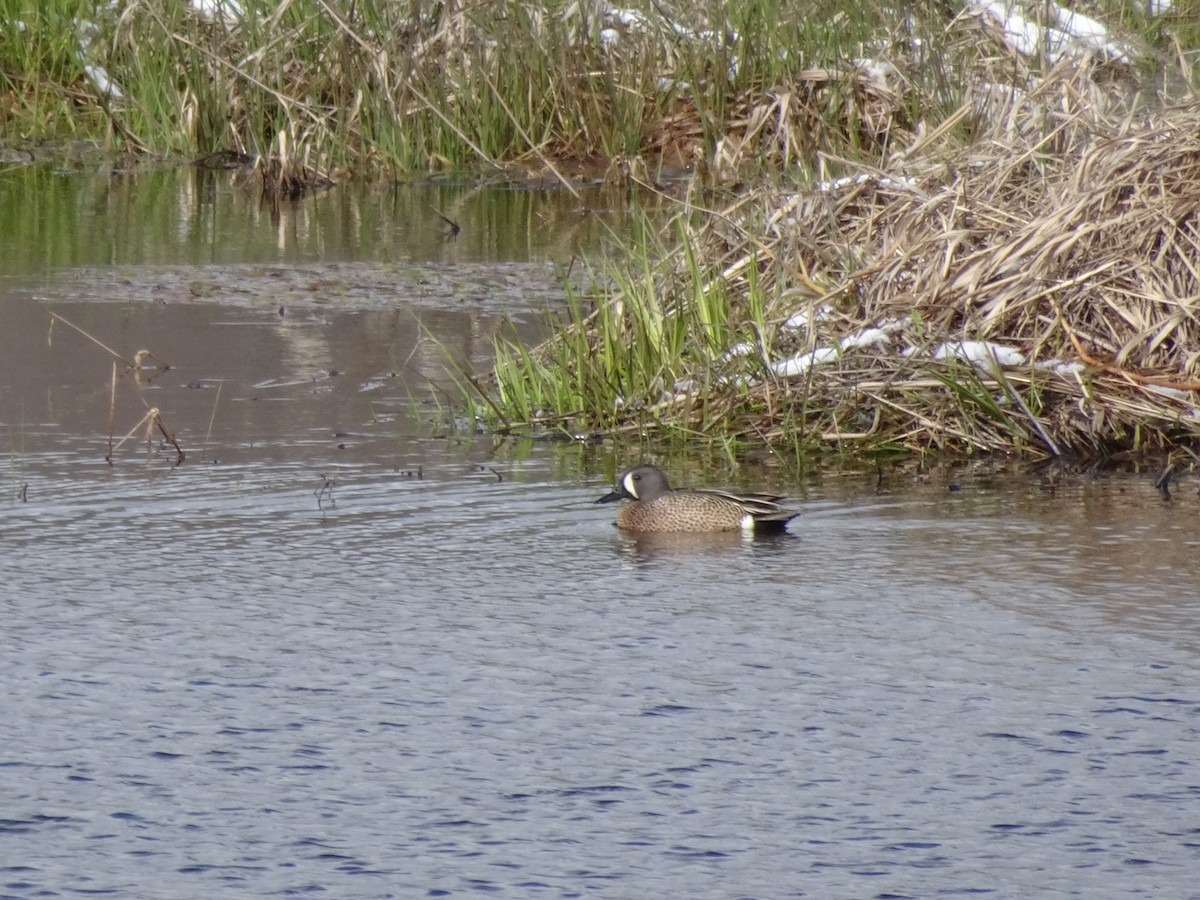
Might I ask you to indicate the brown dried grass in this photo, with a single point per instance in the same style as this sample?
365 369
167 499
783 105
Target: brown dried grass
1062 224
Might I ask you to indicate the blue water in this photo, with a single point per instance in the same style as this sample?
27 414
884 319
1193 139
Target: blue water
455 685
344 651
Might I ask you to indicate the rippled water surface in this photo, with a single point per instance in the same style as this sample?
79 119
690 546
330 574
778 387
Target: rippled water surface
340 651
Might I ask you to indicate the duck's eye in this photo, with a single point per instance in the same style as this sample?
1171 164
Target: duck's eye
637 477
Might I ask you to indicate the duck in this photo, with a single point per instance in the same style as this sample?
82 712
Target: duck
657 507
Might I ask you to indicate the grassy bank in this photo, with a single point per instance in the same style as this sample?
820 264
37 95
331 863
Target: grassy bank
1024 292
1016 275
962 226
366 86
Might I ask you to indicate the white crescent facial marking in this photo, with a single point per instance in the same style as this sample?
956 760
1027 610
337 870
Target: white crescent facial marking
627 482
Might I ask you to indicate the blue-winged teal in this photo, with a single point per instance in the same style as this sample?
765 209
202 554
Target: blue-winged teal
657 506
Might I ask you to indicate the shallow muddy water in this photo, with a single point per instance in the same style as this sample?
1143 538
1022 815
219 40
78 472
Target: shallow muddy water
339 649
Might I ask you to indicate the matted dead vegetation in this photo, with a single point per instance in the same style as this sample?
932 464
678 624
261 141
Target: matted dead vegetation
1073 252
1033 288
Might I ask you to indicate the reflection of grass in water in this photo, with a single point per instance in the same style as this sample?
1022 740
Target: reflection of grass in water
489 287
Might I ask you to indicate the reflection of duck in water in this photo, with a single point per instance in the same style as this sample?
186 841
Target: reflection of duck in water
657 507
143 371
139 361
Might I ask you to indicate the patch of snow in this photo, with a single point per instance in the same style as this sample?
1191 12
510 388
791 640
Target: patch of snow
1018 32
627 18
805 317
223 10
1165 391
879 71
744 348
1088 33
1006 92
875 336
1058 367
1077 24
798 365
105 85
868 337
1075 35
885 181
979 353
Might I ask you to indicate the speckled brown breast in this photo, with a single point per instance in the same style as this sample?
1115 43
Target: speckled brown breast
682 511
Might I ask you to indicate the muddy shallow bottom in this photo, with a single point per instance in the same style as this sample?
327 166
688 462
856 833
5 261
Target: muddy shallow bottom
339 650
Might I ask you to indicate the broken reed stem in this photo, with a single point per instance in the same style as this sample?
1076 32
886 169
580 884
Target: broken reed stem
1015 396
112 412
1131 377
213 418
146 420
152 419
487 398
90 337
180 456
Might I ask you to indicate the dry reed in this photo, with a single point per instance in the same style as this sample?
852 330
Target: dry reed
1033 287
142 373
